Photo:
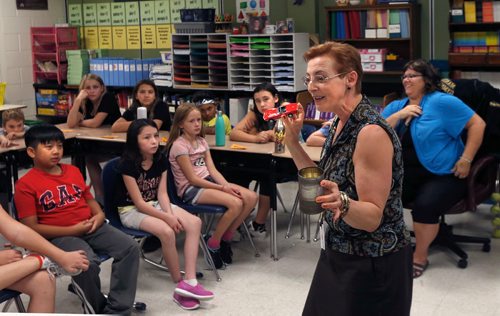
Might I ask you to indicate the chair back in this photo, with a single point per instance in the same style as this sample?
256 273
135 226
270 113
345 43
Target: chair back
110 180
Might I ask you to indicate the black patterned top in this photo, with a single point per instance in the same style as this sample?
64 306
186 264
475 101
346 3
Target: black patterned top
336 160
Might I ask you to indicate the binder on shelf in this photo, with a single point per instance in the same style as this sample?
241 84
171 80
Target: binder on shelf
479 11
381 16
488 12
371 24
470 11
121 74
496 11
404 21
394 24
457 11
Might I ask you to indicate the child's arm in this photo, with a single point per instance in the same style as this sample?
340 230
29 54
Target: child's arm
316 139
121 125
146 208
96 121
241 132
185 164
4 141
74 115
22 236
51 231
219 178
98 216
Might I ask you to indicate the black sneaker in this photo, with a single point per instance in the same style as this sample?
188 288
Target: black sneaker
215 254
226 253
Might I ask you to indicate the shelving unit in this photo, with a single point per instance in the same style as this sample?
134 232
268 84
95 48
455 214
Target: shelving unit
48 47
400 38
200 61
474 47
277 58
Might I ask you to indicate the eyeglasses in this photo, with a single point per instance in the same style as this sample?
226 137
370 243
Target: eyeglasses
410 76
321 79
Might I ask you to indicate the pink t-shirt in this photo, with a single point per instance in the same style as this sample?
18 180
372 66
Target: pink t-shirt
197 156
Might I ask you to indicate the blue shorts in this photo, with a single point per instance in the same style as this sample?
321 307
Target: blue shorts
192 193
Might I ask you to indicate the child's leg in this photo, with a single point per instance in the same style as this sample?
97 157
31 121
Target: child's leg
125 252
40 288
263 209
233 204
249 201
192 226
87 284
95 171
166 234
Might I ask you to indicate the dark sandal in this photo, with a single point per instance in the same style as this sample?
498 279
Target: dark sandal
418 269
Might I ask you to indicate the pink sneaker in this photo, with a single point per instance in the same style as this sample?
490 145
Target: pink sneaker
187 303
197 292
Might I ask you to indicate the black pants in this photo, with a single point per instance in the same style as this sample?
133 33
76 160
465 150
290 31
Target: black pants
352 285
430 195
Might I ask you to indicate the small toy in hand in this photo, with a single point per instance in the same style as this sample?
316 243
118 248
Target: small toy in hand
288 109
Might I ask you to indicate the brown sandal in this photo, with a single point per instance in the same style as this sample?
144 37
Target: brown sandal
419 268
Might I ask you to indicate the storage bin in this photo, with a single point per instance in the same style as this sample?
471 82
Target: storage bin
194 27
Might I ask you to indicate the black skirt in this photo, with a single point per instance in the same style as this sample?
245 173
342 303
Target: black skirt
352 285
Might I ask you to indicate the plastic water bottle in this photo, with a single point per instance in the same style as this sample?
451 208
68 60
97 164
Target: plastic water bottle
279 137
142 113
220 130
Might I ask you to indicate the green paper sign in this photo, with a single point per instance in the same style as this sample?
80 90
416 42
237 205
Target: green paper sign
147 12
75 14
104 14
118 14
90 14
162 12
132 13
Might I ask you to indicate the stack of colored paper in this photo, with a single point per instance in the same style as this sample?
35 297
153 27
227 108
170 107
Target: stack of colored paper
78 65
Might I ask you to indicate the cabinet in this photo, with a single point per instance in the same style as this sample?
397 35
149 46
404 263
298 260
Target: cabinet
200 61
48 49
474 40
393 27
277 58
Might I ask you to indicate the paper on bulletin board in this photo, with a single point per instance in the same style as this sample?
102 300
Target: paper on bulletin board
147 12
103 14
132 13
246 8
193 4
119 37
105 37
211 4
148 33
162 12
175 10
91 37
134 37
75 17
118 14
90 14
163 35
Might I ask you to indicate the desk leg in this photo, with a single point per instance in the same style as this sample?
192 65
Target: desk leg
79 159
8 168
308 228
274 211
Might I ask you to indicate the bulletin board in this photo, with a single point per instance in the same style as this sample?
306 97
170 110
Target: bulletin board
246 8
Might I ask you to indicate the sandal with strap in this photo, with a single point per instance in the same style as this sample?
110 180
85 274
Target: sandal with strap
419 268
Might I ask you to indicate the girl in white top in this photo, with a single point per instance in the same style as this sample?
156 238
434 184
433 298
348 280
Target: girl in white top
198 181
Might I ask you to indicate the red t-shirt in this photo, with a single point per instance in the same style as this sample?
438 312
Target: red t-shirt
58 200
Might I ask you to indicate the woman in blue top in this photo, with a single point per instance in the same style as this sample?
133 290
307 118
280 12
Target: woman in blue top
436 162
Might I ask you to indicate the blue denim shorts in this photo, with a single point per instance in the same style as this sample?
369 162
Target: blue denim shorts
192 193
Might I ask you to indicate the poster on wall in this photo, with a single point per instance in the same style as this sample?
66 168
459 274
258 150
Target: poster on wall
247 8
32 4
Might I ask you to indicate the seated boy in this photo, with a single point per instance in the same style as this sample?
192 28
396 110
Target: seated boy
12 127
207 104
318 138
53 199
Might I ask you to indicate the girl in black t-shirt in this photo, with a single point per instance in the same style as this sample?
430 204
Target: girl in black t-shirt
145 94
143 204
93 107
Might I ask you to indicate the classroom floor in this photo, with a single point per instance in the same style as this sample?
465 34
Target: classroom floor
261 286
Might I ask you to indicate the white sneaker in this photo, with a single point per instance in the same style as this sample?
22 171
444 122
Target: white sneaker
259 232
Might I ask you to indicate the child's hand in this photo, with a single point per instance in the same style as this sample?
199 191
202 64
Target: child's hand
9 256
174 223
232 189
262 137
82 95
96 222
83 227
74 261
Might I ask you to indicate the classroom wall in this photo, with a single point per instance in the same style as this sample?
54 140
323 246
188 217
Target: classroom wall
15 48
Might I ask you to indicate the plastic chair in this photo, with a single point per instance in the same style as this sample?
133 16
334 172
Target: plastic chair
8 297
110 180
198 209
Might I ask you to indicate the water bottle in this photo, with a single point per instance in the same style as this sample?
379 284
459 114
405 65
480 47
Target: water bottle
279 137
142 113
220 130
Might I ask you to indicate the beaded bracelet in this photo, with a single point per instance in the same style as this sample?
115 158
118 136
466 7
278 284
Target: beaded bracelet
466 159
345 202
